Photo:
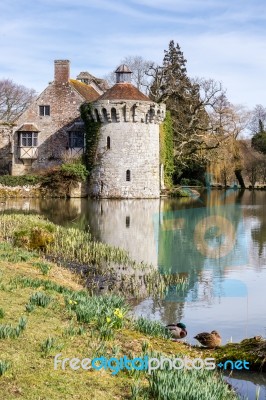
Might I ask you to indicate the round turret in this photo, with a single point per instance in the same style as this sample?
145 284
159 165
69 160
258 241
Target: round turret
127 163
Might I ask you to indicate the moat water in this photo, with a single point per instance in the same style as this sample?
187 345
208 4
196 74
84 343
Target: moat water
216 241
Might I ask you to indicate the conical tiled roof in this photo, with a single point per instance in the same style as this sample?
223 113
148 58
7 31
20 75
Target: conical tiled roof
124 91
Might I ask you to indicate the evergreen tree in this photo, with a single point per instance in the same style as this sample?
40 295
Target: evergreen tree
258 141
172 86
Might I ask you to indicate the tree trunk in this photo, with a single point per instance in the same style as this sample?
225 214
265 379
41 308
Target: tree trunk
238 174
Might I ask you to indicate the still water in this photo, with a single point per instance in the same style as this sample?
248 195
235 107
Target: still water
216 241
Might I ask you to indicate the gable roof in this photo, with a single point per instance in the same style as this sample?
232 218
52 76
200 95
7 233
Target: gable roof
86 91
102 83
124 91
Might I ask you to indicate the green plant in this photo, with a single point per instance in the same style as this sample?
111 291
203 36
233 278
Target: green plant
188 385
23 180
35 237
4 366
2 313
40 299
92 134
167 149
75 170
151 328
44 267
8 331
48 345
74 331
29 307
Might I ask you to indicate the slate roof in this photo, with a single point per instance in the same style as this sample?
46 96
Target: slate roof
123 68
86 91
123 91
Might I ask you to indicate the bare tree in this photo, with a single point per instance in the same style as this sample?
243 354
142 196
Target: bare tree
226 118
14 99
257 115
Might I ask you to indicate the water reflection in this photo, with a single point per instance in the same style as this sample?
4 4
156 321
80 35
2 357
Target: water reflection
216 242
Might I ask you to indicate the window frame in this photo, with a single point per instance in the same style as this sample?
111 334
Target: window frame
44 110
28 139
74 137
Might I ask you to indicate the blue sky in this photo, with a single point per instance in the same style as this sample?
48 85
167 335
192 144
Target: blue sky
221 39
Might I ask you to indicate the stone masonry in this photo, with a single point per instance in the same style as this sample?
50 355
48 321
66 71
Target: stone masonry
63 96
127 163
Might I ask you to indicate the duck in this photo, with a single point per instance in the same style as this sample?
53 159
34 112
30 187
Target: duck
178 331
210 340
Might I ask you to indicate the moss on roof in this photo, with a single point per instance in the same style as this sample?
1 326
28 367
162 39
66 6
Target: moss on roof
86 91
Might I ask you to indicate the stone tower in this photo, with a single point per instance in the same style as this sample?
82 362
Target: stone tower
127 163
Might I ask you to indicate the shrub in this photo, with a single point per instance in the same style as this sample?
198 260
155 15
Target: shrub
34 238
62 179
75 170
2 313
23 180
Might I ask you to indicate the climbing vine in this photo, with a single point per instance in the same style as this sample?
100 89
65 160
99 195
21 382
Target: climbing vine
92 134
167 149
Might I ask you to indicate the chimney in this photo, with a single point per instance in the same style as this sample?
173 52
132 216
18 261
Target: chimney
61 71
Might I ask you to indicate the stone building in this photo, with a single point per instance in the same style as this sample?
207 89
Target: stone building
128 164
51 130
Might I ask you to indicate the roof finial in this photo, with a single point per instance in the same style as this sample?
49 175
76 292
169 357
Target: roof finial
123 74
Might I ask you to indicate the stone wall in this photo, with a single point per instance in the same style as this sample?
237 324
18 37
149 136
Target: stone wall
64 104
128 145
5 148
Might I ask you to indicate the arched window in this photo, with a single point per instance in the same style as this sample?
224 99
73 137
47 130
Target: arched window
113 114
104 111
108 142
128 177
97 115
133 113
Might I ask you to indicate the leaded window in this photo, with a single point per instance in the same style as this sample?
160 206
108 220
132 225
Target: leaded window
29 139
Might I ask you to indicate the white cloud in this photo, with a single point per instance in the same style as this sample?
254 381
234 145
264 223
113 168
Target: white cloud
220 39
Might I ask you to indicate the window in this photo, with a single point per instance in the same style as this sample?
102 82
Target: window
127 221
76 139
44 110
113 115
128 175
28 139
108 142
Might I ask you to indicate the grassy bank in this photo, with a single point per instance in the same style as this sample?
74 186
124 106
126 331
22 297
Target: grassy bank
56 315
45 310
